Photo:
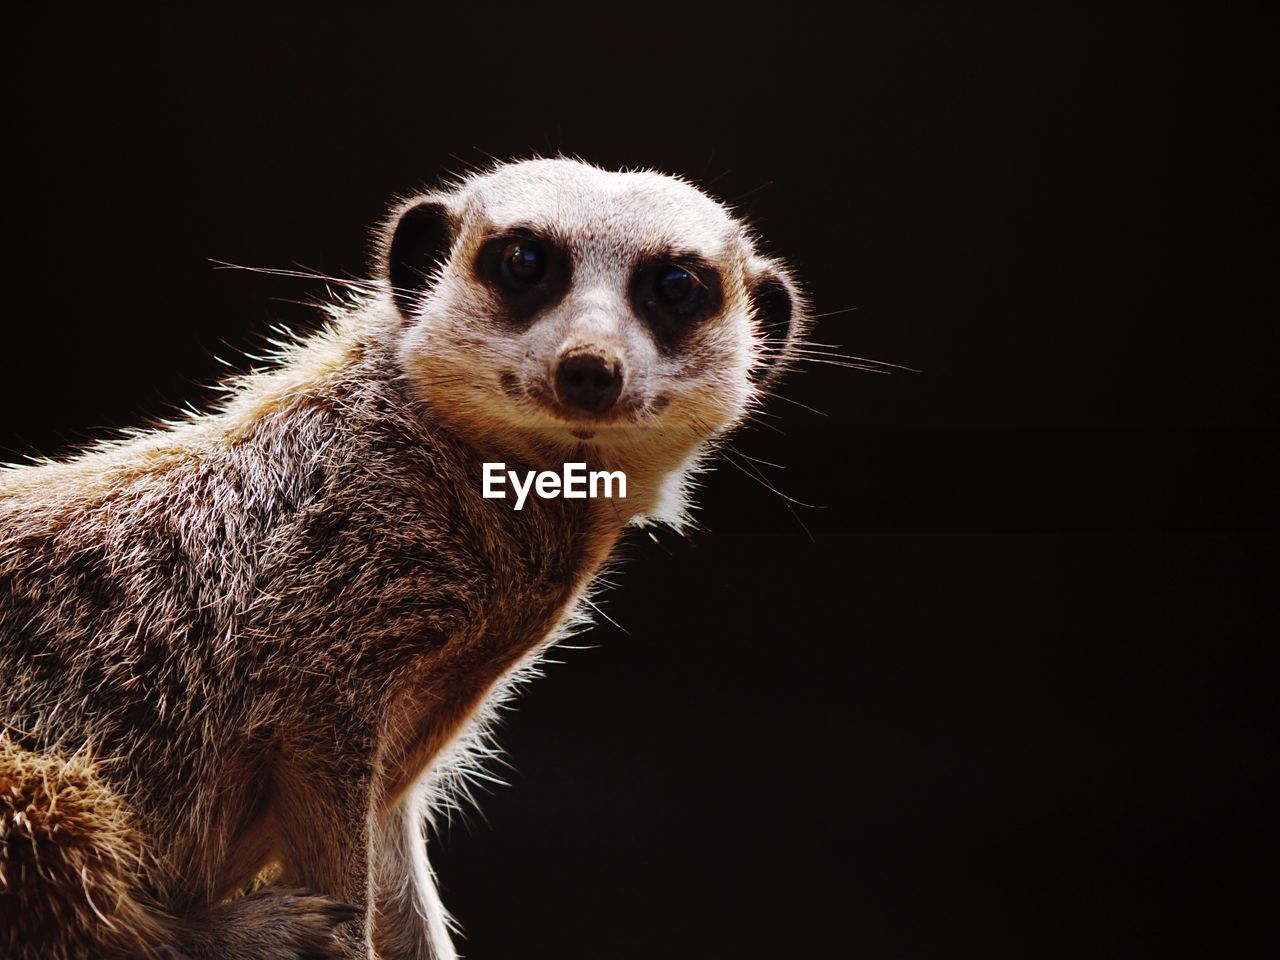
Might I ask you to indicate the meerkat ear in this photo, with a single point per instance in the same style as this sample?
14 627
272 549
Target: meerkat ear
418 239
778 309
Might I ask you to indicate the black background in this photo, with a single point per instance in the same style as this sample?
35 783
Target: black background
1008 697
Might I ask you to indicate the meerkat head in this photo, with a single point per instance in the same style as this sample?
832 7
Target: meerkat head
557 306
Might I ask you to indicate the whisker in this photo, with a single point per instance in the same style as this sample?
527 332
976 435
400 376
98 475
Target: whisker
756 419
866 363
366 286
738 199
707 184
832 313
298 274
759 476
596 607
804 406
767 463
786 501
865 368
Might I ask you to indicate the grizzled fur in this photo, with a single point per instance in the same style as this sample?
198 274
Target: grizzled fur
248 641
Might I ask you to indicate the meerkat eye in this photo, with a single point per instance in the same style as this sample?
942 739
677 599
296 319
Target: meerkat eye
679 290
523 263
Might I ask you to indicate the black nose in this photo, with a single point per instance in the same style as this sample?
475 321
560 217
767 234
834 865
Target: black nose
587 382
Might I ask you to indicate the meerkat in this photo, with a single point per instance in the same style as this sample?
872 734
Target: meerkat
250 643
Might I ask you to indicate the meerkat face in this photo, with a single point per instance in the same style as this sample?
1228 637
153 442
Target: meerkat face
567 305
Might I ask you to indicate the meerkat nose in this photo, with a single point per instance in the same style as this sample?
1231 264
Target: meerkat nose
589 382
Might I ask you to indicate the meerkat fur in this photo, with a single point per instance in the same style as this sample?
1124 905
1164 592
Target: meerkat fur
249 649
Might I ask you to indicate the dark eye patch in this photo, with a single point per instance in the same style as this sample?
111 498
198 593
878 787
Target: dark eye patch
528 272
673 295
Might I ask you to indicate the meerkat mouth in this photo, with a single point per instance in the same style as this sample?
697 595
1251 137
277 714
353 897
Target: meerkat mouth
584 425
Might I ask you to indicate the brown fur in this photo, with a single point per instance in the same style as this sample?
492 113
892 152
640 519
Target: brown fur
67 849
274 623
